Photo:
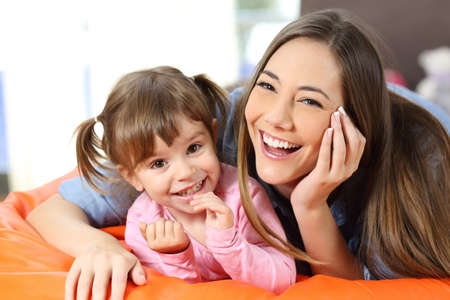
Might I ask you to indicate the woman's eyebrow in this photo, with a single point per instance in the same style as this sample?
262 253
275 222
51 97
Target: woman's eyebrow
313 89
302 87
271 75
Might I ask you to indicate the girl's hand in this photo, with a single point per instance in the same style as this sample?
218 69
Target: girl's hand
165 236
218 214
96 267
339 155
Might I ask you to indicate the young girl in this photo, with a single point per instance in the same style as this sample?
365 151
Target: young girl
159 132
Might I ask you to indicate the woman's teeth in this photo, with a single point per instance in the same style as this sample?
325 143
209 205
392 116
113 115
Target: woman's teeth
279 144
192 190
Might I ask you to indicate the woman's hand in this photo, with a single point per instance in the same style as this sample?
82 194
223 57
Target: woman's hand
97 266
218 214
339 155
165 236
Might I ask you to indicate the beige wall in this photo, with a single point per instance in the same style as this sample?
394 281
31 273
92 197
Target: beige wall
407 26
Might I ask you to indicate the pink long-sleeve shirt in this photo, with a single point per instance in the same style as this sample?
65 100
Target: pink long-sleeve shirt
238 252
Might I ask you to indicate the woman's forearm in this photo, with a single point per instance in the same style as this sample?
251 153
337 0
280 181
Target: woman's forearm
65 226
324 242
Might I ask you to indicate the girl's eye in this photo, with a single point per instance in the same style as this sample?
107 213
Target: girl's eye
193 148
309 101
158 164
265 85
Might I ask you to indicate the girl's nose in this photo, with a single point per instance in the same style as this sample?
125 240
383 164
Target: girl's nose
184 169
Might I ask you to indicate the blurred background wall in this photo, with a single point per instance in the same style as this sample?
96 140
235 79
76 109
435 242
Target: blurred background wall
60 58
408 27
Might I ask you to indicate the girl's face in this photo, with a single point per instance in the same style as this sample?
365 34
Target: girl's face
290 107
175 173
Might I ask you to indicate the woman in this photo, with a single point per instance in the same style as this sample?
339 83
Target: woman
367 196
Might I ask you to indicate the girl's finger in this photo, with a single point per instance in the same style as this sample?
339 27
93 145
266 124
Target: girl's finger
159 228
84 284
339 147
198 207
150 232
207 196
71 281
143 229
178 228
212 206
169 230
324 158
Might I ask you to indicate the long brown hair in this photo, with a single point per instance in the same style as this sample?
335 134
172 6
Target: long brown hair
404 207
141 105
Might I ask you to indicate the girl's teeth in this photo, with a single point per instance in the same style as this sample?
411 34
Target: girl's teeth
192 190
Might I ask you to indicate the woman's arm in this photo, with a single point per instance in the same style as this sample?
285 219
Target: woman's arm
99 256
339 156
324 242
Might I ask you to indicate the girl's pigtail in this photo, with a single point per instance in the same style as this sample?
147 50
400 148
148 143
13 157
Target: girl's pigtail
216 96
89 157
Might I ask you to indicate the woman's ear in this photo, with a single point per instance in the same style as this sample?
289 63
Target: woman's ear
130 177
214 129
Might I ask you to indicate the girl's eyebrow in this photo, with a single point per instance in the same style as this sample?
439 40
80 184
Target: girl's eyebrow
302 87
195 134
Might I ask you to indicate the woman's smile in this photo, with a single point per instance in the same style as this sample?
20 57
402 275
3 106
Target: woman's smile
277 148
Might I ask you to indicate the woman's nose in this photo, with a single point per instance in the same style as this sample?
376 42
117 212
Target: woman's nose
279 115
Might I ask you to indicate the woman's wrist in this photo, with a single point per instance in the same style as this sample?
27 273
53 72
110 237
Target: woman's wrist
307 208
98 241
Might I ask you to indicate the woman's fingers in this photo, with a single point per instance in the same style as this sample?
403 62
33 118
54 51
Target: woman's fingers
92 271
72 281
101 281
324 158
355 141
339 146
119 281
137 274
84 284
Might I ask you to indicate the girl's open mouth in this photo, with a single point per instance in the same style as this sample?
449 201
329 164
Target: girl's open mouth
192 190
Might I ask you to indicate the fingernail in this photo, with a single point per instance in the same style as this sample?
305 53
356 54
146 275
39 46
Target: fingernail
337 116
342 111
329 131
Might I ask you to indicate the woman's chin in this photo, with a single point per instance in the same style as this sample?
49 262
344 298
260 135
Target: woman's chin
273 176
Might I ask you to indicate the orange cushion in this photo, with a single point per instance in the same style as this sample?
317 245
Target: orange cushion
32 269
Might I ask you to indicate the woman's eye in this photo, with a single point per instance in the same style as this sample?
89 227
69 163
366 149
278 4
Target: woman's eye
310 101
158 164
265 85
193 148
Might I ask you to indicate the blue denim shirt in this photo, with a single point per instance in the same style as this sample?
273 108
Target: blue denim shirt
111 209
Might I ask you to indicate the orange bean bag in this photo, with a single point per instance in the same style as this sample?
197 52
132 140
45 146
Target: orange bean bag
32 269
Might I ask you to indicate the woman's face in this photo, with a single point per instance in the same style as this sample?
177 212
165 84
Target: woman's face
290 107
